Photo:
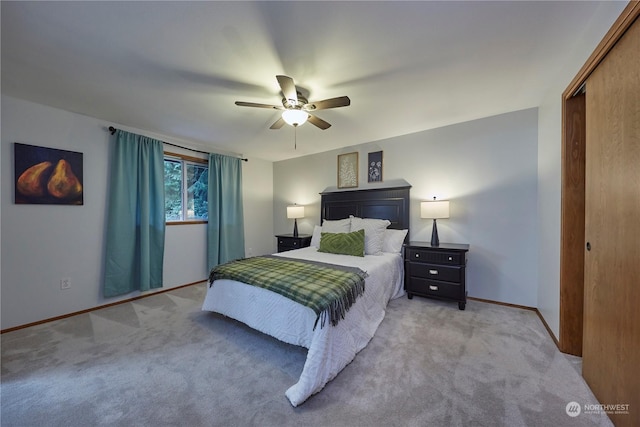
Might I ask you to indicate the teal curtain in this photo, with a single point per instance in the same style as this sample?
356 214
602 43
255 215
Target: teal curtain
135 217
225 226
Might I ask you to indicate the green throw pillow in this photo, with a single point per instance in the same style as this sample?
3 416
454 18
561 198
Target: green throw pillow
343 243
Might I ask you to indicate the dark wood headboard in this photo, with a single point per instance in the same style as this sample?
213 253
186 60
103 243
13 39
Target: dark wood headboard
381 203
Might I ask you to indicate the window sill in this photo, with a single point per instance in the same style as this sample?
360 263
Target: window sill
189 222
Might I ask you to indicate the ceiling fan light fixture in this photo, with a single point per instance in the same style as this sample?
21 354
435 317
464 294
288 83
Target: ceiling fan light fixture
295 117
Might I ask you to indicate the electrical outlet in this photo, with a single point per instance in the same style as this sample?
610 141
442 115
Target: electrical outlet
65 283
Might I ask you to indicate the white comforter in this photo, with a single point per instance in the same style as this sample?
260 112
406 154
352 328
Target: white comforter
330 348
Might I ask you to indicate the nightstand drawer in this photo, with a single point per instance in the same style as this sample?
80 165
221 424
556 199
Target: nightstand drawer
289 243
435 272
436 288
438 257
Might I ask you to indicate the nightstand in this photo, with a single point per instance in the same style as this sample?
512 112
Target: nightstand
287 242
436 271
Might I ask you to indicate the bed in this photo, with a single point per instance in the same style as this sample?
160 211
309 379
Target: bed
330 347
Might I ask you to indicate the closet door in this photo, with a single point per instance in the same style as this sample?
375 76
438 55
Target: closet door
611 334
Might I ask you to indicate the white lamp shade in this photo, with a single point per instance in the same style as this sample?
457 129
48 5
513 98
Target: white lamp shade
295 212
435 209
295 117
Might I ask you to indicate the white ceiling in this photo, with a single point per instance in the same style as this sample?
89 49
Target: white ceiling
176 68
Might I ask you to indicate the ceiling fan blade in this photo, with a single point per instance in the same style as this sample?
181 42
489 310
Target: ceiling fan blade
277 124
341 101
288 89
253 104
317 121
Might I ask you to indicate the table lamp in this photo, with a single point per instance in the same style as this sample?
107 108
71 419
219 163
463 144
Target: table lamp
295 212
434 209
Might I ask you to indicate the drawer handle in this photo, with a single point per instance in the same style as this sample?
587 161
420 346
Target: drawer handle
295 243
433 288
433 272
417 255
450 258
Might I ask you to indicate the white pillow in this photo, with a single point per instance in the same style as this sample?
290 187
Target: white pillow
393 240
373 233
337 226
315 237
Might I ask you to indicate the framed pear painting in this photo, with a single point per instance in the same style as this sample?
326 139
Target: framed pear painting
47 175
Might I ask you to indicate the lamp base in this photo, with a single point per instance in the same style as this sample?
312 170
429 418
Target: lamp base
295 228
435 241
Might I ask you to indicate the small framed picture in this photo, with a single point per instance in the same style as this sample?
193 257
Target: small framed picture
375 167
348 170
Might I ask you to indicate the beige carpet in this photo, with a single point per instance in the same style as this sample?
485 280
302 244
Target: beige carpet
161 361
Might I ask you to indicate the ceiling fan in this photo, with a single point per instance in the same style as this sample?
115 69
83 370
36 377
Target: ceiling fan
296 108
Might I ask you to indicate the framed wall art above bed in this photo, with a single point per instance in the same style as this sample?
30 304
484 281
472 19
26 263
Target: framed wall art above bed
374 167
348 170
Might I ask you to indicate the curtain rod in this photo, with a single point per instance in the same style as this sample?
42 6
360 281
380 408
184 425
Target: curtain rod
113 130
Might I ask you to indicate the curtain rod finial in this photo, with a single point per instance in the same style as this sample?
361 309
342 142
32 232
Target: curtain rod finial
112 130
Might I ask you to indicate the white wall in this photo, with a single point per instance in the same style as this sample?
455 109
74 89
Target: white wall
43 243
550 162
487 168
257 198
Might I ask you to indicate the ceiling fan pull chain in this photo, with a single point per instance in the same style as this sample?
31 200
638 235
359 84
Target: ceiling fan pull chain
295 137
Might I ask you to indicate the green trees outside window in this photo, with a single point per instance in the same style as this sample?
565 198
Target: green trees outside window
185 187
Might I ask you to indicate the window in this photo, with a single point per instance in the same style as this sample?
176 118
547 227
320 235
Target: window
185 188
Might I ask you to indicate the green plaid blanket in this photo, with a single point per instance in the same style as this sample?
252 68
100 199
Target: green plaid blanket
329 290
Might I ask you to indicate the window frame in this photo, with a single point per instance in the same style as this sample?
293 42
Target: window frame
184 159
